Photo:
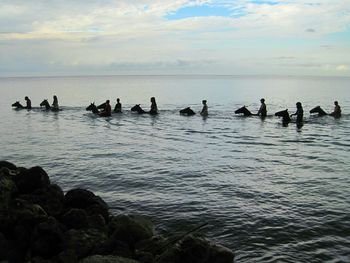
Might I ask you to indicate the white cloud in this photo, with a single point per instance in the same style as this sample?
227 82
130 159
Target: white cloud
136 34
343 68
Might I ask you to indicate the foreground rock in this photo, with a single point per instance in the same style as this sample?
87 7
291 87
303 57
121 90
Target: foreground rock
39 223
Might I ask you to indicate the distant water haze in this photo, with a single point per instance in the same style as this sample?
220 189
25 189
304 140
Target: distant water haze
270 193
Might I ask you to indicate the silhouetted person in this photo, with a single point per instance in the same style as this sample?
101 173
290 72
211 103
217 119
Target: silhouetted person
154 109
118 106
28 103
204 111
299 113
337 110
107 111
262 111
55 103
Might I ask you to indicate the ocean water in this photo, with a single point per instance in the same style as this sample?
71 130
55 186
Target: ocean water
270 193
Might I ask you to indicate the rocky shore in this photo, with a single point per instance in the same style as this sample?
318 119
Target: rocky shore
40 223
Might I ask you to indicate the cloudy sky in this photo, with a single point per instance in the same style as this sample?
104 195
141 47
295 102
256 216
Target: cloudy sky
239 37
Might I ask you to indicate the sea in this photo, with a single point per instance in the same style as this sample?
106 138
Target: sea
269 192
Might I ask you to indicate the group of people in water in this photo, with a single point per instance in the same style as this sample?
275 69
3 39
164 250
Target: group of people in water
300 111
107 109
54 103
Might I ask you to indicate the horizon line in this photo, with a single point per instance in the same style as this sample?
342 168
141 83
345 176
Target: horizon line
175 75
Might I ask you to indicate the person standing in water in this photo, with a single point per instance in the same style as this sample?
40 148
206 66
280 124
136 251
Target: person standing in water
337 110
28 102
118 106
262 111
154 108
299 113
204 111
107 111
55 103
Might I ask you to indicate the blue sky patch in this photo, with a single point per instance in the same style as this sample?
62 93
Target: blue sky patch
265 2
196 11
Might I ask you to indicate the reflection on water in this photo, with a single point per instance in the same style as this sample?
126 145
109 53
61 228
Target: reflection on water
269 192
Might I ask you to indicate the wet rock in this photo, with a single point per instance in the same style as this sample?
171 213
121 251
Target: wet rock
121 249
67 256
98 209
7 165
97 222
130 229
4 246
7 190
81 198
32 179
84 242
172 255
38 223
47 239
107 259
21 214
144 257
153 245
49 198
40 260
196 250
75 218
25 211
85 199
221 254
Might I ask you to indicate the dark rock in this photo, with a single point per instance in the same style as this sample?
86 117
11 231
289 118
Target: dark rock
84 199
81 198
98 209
49 198
144 257
35 216
19 243
47 239
221 254
67 256
172 255
153 245
40 260
107 259
21 213
122 249
196 250
75 218
7 190
26 211
32 179
130 229
84 242
97 222
8 165
4 246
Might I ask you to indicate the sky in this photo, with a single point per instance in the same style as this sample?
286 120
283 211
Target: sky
152 37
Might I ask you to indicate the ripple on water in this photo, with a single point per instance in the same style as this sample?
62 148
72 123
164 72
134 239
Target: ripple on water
268 192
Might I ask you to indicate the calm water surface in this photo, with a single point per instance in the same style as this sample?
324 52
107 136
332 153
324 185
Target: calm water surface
270 193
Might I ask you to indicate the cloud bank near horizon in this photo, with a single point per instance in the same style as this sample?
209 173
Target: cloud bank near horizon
304 37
